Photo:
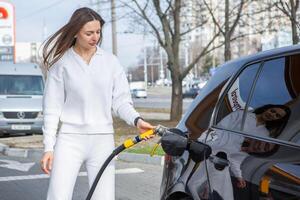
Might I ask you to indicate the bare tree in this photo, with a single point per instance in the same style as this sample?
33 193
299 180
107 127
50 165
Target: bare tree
227 24
165 21
290 10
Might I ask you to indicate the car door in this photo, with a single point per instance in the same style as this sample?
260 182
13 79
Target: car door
256 128
208 178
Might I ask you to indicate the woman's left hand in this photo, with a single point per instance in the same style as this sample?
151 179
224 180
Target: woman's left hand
144 126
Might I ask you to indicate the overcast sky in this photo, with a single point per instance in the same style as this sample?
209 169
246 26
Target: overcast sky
37 19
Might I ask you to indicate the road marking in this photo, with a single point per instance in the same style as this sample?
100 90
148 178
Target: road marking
43 176
28 177
129 171
12 164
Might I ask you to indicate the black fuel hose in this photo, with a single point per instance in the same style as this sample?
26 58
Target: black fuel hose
107 161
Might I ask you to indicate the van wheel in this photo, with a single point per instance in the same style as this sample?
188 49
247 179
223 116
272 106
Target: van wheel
5 135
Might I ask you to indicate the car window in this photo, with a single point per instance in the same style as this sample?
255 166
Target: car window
236 98
275 104
271 86
21 85
199 119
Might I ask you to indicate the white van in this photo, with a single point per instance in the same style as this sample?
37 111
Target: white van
21 96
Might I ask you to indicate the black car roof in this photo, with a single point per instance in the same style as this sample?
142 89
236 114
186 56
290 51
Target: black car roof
239 62
229 68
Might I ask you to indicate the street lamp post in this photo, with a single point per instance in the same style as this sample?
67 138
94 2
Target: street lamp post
145 64
161 72
145 59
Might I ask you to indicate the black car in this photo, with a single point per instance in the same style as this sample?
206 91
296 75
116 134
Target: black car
191 92
249 115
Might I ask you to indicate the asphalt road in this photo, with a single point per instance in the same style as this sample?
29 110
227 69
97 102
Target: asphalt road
158 102
21 178
158 97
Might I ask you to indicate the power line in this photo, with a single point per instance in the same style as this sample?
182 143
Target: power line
50 6
42 9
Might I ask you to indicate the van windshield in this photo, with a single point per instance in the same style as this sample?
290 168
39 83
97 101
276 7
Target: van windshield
21 85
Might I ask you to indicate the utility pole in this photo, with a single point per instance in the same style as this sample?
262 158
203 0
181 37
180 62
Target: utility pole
145 59
114 28
113 21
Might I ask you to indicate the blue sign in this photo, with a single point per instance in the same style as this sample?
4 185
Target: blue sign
6 54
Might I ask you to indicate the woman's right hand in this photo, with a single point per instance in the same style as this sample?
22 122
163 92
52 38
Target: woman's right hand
46 162
241 183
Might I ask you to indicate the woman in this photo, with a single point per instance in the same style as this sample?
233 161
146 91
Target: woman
84 84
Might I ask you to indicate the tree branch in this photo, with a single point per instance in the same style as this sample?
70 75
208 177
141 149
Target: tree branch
282 8
176 15
237 17
195 27
164 22
214 18
203 52
143 15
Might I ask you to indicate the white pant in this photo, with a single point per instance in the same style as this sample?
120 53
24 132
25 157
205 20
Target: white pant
71 150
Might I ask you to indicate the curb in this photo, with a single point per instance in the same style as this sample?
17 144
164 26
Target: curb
36 154
141 158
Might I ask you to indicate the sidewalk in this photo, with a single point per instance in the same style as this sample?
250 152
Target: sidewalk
32 146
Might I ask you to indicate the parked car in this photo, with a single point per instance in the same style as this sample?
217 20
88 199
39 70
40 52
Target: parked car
249 114
21 94
139 93
191 92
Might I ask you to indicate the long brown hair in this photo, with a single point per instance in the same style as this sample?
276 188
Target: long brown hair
64 38
275 127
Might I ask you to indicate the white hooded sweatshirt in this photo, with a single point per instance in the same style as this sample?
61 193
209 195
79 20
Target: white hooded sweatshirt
81 96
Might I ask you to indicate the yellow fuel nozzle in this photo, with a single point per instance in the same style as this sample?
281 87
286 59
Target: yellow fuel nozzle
147 134
130 142
159 130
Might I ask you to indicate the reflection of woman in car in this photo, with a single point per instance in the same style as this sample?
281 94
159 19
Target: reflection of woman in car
274 117
260 123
